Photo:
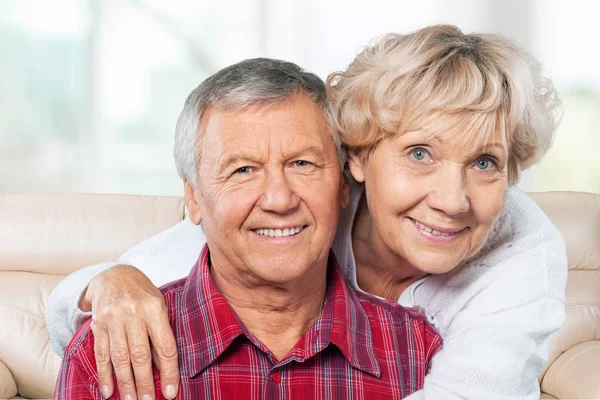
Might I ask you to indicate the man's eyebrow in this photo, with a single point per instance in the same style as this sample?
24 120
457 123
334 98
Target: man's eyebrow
226 161
308 149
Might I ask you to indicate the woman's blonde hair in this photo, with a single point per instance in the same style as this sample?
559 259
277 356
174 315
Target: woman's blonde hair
439 78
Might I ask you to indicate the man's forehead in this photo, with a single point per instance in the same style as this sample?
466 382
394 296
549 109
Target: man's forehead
288 121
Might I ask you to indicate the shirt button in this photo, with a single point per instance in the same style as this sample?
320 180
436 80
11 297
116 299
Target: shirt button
276 377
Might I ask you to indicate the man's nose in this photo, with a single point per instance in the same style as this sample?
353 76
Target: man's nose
449 191
278 195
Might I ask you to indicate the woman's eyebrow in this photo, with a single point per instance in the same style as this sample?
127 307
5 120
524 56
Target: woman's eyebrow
490 146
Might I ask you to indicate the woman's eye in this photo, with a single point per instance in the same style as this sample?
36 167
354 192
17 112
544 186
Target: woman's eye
419 153
243 170
485 163
301 163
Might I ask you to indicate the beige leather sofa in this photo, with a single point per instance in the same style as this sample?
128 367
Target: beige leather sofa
44 237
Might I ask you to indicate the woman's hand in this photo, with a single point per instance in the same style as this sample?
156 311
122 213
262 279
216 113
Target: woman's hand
129 312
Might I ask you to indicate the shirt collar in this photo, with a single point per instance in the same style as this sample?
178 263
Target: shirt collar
350 330
210 325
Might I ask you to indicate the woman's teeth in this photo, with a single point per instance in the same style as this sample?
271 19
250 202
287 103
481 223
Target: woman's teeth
433 231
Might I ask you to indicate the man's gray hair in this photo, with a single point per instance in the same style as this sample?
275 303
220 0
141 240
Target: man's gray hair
257 81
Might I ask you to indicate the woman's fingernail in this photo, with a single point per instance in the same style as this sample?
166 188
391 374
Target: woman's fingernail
105 391
146 397
170 391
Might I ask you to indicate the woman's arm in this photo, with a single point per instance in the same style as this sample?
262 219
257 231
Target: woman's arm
63 315
497 357
128 308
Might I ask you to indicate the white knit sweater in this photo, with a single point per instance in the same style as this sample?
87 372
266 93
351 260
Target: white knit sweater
495 312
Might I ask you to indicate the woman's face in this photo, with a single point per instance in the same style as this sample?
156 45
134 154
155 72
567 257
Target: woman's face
433 200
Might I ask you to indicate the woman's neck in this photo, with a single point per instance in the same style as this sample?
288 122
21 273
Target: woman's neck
379 270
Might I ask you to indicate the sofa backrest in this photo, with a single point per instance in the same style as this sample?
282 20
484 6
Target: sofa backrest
576 374
42 239
45 237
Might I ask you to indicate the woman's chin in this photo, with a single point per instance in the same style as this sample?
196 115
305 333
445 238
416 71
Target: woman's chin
434 264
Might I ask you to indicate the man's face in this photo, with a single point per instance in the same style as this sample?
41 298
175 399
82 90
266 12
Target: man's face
270 189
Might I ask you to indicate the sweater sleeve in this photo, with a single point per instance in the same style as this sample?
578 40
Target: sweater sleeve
165 257
508 303
479 361
63 315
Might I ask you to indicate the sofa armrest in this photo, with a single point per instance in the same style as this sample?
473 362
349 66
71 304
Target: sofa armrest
574 375
8 387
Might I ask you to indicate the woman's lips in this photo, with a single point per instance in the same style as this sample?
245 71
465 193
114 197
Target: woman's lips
437 233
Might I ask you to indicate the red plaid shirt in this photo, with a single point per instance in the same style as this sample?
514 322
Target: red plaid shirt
360 347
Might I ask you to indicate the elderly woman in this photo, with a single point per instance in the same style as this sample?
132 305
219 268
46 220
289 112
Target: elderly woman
438 126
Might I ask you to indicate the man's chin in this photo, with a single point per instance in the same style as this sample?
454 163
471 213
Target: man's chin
280 271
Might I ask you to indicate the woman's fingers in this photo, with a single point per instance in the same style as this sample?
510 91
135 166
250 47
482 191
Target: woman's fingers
165 354
125 305
119 354
141 359
103 363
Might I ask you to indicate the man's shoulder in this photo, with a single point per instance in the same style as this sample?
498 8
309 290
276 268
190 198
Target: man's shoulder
174 288
172 293
405 330
81 348
384 314
376 307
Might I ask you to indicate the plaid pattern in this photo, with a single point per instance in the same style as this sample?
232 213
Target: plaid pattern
360 347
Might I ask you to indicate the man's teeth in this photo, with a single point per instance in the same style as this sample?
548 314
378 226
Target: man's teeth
278 232
433 231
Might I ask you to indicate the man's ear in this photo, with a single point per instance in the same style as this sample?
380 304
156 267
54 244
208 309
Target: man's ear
192 202
356 165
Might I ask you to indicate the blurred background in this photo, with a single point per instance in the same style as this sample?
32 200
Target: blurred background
90 89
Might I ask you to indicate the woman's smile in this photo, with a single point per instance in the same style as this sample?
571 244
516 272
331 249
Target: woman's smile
436 233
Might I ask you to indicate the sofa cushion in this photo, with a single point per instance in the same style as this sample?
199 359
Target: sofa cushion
8 387
574 375
24 344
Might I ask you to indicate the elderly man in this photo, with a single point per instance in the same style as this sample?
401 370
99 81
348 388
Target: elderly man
265 311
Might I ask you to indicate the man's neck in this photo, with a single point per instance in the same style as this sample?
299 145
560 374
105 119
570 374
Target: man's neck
379 270
277 315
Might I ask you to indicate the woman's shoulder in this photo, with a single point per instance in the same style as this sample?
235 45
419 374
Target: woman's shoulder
526 216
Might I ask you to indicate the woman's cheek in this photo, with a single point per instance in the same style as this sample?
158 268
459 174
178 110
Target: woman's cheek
489 201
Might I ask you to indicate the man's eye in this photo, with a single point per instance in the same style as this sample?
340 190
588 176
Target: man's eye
419 153
301 163
243 170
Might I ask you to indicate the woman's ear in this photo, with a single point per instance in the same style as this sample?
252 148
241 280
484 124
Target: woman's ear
192 202
356 166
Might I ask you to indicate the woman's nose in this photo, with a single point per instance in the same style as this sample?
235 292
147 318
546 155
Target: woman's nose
448 192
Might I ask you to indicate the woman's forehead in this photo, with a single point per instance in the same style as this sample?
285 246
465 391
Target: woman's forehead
462 131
